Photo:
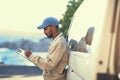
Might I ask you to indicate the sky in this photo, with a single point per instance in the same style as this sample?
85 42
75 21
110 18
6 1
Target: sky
21 17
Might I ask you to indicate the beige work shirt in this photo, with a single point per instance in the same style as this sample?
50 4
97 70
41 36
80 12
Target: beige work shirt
53 66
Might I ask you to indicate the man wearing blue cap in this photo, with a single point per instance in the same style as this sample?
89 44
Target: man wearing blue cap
54 65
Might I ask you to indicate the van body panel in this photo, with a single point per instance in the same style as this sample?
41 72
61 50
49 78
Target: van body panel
100 57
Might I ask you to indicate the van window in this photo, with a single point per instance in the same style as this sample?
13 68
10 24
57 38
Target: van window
84 43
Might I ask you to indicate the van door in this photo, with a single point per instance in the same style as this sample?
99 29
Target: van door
90 41
117 47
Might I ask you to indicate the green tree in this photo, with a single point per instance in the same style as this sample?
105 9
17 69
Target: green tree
65 21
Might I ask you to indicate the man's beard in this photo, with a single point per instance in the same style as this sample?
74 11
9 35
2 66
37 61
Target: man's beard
49 36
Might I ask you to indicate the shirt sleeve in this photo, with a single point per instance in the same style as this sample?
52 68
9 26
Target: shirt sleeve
56 53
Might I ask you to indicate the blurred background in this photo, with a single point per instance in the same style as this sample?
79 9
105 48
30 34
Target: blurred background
19 20
18 29
18 26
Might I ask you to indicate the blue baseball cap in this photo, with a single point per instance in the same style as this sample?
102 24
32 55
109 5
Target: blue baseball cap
49 21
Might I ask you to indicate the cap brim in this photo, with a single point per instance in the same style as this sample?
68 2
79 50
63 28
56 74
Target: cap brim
40 27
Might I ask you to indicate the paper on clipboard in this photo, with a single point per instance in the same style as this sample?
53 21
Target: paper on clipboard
21 52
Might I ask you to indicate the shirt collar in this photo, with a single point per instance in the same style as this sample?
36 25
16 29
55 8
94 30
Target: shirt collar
59 35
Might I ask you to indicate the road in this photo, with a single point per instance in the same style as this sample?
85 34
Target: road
10 72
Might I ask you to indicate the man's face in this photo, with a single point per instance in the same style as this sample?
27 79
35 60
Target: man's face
48 32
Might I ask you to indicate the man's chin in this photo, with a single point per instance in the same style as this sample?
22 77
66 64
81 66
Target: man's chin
49 36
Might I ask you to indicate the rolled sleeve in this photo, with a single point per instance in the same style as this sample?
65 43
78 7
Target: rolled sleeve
37 60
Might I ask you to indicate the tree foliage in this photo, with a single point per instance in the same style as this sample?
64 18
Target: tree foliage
65 21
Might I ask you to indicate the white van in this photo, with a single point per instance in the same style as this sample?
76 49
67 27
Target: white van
94 39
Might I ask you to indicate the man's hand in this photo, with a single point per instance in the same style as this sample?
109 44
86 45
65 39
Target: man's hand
27 53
